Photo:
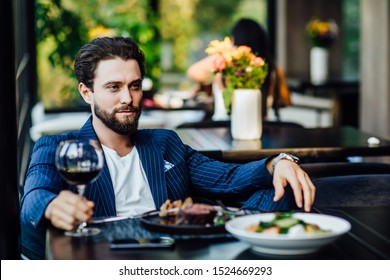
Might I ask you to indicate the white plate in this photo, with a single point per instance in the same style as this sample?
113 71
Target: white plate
284 244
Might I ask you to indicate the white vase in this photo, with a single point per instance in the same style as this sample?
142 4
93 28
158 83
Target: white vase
319 65
246 118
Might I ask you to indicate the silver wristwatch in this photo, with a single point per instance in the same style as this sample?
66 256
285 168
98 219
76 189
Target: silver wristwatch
284 156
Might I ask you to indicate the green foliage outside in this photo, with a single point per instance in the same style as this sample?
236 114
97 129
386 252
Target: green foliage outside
63 26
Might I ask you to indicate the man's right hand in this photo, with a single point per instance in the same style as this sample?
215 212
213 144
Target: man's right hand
68 209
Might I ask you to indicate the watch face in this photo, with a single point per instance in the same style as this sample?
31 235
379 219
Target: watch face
285 156
288 156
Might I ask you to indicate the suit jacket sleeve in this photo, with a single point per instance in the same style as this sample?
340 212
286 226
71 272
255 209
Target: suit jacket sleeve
211 176
42 181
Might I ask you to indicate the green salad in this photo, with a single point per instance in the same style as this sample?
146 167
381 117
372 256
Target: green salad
284 223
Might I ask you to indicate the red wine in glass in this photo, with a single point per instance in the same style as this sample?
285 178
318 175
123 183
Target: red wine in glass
79 162
79 177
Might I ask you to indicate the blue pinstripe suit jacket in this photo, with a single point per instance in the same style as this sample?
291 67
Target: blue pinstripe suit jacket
191 174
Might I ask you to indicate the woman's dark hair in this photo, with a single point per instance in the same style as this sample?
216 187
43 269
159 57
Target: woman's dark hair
247 32
104 48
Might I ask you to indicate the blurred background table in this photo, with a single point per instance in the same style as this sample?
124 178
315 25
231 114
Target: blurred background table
307 143
343 92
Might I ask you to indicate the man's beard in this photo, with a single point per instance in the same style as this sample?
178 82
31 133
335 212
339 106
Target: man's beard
125 126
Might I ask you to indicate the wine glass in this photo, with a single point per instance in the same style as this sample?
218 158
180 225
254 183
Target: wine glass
79 162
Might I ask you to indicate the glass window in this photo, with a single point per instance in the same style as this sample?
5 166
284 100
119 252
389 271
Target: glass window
172 33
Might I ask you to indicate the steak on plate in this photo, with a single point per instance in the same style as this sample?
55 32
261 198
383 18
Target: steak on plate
196 214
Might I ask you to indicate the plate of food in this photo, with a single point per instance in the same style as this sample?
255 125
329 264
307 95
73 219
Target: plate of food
187 217
287 233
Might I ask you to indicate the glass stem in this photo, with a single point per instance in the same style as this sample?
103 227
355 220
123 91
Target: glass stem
81 189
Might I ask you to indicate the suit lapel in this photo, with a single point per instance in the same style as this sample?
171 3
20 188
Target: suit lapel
101 191
153 164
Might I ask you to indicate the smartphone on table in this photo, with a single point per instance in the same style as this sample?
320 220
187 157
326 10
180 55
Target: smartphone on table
143 243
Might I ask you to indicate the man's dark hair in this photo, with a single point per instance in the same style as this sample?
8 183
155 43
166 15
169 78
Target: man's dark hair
104 48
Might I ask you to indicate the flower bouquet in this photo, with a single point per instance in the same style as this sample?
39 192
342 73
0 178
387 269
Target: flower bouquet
322 33
239 66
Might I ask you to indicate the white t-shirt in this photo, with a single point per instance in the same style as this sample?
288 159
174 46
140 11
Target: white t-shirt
131 187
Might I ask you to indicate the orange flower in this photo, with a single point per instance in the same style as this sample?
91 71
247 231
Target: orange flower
219 63
257 61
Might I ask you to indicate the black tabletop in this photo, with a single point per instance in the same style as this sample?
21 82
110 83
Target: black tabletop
368 239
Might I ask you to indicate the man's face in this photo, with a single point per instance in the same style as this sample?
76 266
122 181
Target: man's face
117 95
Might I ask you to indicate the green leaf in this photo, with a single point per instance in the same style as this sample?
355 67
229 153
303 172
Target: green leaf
228 97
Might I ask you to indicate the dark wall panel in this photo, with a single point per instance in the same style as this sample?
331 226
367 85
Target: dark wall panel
9 218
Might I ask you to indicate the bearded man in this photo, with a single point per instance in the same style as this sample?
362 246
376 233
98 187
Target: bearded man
143 167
